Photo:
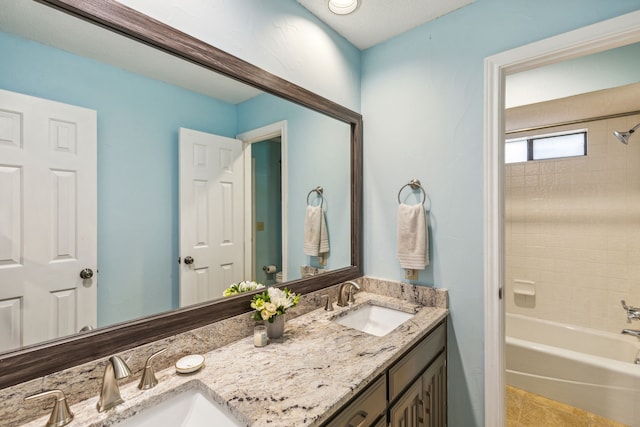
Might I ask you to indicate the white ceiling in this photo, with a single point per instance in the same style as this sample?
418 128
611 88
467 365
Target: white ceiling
375 21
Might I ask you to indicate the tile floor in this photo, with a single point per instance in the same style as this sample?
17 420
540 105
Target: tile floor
531 410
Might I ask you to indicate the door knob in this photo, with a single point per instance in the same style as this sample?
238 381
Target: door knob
86 273
188 260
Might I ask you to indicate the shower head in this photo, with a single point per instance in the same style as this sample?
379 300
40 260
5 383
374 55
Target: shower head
624 136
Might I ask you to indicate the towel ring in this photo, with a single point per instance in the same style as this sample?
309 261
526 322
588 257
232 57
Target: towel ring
414 184
320 192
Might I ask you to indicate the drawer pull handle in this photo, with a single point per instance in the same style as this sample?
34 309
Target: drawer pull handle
359 418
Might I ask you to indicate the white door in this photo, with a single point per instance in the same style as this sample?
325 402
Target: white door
211 215
48 219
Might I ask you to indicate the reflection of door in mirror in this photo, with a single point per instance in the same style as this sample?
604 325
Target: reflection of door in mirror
266 195
47 219
211 215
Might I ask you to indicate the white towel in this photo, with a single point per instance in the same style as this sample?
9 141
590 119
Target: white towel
413 239
316 239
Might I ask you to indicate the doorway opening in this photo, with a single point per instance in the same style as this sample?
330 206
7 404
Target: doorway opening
266 162
266 244
609 34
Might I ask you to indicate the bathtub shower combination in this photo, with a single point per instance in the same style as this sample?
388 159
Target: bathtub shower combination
585 368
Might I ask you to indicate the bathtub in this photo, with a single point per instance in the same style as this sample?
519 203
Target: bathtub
581 367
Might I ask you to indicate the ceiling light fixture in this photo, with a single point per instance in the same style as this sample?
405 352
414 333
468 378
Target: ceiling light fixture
342 7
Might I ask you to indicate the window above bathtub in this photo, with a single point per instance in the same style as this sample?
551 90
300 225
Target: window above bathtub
548 146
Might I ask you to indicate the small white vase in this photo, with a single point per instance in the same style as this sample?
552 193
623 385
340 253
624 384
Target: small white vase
275 329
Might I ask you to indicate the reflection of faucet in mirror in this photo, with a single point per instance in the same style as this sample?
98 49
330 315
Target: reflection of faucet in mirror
349 285
116 369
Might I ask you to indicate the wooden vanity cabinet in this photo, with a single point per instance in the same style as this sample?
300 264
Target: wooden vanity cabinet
418 384
424 404
408 410
434 392
414 387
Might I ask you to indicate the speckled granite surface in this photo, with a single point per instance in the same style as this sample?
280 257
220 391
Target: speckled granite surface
308 342
300 379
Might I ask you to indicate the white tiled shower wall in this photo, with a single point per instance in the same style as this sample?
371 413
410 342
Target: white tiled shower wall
572 226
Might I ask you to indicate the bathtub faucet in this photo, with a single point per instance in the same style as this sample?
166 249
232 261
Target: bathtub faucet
634 332
632 312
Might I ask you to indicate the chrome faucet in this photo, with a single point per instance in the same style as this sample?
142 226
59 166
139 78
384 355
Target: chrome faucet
633 332
116 369
350 300
632 312
328 305
148 379
61 415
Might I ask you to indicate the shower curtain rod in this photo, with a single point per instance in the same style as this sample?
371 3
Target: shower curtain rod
573 122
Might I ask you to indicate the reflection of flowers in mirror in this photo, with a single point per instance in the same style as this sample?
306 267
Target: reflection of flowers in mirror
244 286
273 302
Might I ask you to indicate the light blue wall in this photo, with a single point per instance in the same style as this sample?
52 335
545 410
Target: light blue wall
422 102
318 154
138 121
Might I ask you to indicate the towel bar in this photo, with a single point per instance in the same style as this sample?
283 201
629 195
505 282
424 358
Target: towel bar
415 185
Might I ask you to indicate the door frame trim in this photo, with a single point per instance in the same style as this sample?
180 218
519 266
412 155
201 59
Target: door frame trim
604 35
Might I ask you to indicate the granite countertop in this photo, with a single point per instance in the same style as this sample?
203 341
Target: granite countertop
300 379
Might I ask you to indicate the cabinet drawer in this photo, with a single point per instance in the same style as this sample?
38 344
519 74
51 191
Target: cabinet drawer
363 411
410 366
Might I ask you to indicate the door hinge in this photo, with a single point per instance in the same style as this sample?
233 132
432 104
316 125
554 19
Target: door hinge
500 293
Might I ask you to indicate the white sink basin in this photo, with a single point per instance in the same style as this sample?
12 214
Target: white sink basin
190 408
373 319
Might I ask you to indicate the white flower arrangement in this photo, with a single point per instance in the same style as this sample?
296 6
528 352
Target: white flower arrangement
273 302
244 286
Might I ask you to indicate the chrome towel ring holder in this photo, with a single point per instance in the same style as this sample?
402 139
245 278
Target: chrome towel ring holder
320 192
415 185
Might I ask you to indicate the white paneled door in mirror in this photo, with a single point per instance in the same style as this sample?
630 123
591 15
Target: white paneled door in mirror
47 219
211 215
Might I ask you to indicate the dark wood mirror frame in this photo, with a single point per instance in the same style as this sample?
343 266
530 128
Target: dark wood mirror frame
38 360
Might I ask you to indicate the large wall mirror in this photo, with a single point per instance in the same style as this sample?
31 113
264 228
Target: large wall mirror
122 114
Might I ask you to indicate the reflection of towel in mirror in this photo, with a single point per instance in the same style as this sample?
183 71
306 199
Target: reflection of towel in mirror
316 240
413 240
